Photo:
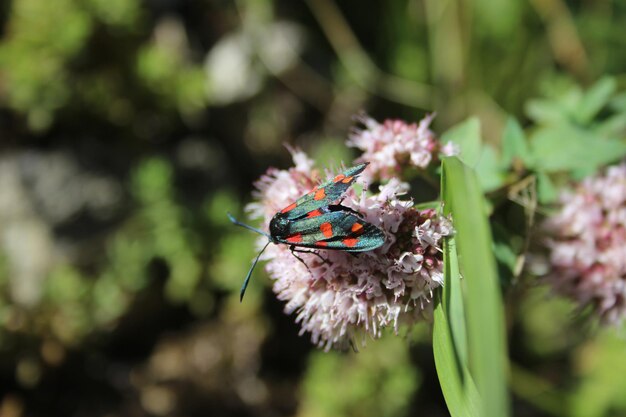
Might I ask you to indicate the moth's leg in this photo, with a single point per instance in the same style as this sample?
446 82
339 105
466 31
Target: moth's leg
293 249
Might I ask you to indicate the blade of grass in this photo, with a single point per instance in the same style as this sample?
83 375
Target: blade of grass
463 198
449 343
456 383
453 300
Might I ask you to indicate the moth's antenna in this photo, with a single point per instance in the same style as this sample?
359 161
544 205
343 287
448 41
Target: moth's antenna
245 282
254 229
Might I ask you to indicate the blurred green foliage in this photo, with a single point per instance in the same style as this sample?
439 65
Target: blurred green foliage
600 389
378 381
50 61
35 62
80 304
183 104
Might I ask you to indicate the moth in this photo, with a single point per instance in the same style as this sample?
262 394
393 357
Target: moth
314 222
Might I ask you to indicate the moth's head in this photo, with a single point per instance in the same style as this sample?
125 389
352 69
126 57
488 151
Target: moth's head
279 226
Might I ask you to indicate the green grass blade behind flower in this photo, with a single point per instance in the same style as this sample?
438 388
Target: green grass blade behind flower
481 156
463 198
449 341
457 385
452 300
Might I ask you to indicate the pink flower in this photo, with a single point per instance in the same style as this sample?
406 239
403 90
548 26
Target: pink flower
348 295
588 244
395 144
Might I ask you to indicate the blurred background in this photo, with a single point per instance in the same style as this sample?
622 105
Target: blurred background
128 128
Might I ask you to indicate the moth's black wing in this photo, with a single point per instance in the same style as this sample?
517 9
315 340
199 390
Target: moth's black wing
323 195
335 230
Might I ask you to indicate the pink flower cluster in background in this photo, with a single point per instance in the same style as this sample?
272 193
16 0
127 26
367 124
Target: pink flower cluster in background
588 244
393 145
346 296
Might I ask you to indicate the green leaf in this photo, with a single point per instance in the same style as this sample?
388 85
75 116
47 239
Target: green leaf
567 148
467 135
514 144
449 341
595 99
546 191
483 158
457 385
453 299
544 111
450 338
487 347
489 169
613 126
618 102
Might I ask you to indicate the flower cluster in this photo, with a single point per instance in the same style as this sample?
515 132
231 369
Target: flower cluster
338 296
394 145
588 244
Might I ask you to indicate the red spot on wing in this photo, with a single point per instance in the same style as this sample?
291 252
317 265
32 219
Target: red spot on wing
321 244
320 194
347 180
327 229
314 213
339 178
295 238
350 241
289 208
357 228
